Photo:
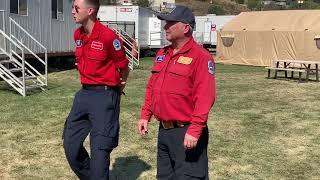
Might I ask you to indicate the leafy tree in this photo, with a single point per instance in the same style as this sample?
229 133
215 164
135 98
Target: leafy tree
254 4
242 1
143 3
216 9
309 4
273 7
108 2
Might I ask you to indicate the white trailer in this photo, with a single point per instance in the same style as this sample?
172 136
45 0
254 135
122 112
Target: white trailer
35 22
205 32
30 31
137 22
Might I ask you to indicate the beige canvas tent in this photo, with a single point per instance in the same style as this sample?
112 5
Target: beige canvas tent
258 38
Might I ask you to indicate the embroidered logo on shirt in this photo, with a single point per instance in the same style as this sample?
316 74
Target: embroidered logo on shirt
184 60
160 58
97 45
78 43
116 45
210 67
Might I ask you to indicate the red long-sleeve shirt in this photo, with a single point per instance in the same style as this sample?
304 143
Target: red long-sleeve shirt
181 87
99 56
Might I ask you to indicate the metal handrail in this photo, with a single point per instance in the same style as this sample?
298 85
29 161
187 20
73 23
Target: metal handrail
26 47
122 32
130 44
13 79
31 67
29 50
2 72
128 40
11 76
11 41
30 36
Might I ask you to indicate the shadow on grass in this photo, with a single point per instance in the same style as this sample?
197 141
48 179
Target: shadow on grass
128 168
294 79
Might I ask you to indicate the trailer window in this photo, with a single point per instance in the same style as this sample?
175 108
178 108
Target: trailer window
19 7
57 9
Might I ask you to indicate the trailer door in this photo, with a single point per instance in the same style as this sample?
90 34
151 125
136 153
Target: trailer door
207 32
213 34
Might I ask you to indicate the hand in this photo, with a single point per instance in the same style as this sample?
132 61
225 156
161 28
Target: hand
122 86
143 127
134 51
189 141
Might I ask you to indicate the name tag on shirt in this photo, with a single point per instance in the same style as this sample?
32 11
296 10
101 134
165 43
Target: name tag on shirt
97 45
184 60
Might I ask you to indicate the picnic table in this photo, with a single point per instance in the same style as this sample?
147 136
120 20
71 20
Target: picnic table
300 66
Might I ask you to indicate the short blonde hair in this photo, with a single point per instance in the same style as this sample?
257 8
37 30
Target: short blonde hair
93 3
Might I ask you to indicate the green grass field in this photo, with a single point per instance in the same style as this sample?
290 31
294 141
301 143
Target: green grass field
259 128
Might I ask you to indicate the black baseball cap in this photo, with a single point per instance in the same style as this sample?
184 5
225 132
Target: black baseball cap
180 14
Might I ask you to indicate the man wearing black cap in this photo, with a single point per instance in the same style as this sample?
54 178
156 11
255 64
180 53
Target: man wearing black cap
180 94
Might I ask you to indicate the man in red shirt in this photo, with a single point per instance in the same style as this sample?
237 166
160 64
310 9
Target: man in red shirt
180 94
103 69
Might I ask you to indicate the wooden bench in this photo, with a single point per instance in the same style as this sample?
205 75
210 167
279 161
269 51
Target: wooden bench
305 67
286 70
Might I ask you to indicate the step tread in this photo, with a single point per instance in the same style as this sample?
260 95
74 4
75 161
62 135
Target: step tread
28 77
15 69
6 61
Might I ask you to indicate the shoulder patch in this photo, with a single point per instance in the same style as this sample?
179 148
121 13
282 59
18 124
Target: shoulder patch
211 67
160 58
78 43
116 45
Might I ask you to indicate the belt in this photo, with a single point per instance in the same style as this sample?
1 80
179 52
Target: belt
172 124
99 87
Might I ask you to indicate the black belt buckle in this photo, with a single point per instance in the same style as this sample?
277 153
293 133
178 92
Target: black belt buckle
96 87
173 124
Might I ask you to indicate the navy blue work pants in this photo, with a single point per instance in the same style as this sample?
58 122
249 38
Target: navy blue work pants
95 112
174 162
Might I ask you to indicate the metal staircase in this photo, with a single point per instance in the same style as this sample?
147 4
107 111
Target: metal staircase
130 45
14 69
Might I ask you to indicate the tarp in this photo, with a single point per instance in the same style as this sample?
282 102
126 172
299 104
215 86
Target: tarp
257 38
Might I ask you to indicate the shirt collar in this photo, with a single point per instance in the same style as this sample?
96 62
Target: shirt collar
95 31
186 47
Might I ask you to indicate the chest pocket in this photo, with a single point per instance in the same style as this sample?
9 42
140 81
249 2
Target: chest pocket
97 55
180 70
179 79
157 68
96 64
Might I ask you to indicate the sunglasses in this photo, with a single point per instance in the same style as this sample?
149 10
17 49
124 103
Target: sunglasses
76 8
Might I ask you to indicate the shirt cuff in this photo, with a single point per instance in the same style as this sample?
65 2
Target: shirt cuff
143 116
195 130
